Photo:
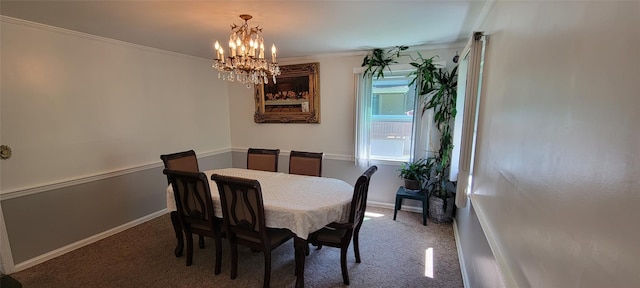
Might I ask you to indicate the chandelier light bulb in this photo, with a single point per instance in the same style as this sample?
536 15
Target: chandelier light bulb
246 62
273 53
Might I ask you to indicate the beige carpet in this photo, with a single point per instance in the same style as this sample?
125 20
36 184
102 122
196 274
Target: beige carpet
393 255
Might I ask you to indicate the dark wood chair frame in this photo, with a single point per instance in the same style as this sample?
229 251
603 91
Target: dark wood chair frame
345 231
260 151
195 210
247 230
317 156
174 161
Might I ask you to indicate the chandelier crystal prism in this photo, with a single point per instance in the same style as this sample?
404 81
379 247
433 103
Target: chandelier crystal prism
245 62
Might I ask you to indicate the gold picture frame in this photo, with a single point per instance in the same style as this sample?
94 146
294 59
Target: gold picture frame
294 98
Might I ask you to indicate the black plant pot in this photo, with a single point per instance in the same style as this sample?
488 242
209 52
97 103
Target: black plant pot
411 184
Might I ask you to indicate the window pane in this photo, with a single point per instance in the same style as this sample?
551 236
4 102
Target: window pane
393 102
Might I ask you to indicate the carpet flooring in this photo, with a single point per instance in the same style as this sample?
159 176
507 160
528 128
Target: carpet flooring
401 253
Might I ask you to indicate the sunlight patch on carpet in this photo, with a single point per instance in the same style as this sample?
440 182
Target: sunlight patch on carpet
369 215
428 263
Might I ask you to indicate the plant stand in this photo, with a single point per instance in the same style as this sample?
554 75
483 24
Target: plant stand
406 194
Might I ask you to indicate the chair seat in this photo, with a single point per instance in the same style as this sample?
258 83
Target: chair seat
204 225
277 236
329 235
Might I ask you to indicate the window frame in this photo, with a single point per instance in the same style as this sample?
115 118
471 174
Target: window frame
394 70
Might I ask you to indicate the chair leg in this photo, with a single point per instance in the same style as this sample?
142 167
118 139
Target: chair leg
267 268
234 259
201 242
177 228
343 264
189 247
356 244
218 243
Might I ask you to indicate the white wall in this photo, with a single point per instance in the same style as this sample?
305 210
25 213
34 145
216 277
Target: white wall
334 135
75 105
558 160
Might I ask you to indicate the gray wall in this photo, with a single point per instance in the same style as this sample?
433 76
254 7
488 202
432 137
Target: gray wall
557 165
42 222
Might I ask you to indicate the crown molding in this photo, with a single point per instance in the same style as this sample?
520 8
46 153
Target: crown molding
40 26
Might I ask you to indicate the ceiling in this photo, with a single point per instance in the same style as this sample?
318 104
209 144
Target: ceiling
298 28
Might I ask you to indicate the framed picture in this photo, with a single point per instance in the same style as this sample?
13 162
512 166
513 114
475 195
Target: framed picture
294 98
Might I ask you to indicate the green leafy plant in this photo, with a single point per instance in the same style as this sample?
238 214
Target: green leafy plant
417 170
424 74
437 88
379 59
442 99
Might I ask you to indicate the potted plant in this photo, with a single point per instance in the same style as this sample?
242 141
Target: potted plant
437 88
380 59
415 173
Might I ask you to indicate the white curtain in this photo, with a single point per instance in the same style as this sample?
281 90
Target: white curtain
363 117
473 53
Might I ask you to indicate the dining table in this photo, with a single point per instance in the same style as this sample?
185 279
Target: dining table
302 204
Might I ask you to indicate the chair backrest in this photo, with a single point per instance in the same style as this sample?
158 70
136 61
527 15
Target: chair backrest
242 207
181 161
359 200
263 159
305 163
193 198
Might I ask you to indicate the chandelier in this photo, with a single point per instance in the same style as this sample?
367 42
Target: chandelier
246 62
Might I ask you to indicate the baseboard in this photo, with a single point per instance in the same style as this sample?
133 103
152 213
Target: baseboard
84 242
416 209
463 269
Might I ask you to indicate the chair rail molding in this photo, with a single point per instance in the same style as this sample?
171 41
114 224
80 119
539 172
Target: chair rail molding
24 191
286 153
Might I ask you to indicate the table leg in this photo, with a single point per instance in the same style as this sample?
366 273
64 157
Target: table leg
300 246
175 220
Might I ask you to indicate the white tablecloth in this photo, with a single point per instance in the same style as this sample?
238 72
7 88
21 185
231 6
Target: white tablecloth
302 204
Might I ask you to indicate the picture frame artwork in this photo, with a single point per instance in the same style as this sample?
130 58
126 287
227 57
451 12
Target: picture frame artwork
294 98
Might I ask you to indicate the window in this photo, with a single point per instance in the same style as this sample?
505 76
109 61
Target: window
386 121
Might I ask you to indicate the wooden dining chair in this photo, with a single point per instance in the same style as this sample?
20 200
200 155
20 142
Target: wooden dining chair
339 234
244 221
195 209
263 159
181 161
305 163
